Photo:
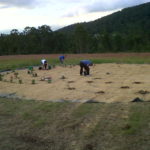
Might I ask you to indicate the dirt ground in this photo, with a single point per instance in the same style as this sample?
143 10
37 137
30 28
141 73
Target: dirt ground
107 83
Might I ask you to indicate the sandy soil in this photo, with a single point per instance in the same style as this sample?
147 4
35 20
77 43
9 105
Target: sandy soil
107 83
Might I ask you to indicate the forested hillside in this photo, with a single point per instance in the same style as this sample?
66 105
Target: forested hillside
128 20
124 31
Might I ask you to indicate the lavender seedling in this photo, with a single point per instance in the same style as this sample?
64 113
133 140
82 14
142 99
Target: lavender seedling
20 81
33 81
1 77
11 79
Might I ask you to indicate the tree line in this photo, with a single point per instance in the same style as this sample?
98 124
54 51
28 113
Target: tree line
43 40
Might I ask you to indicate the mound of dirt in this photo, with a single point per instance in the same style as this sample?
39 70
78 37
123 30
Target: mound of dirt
65 83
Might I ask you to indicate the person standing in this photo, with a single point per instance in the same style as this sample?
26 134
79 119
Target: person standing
84 67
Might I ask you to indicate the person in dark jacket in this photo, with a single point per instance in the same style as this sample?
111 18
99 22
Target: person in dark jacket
84 67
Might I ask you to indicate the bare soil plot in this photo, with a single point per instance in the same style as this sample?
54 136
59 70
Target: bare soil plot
107 83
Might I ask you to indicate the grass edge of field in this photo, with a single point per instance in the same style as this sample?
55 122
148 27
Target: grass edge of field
22 63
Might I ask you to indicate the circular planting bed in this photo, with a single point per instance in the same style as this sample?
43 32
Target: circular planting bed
107 83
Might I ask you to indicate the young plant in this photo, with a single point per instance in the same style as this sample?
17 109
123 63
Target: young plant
30 68
20 81
11 79
29 72
16 74
49 81
33 81
34 74
49 67
1 77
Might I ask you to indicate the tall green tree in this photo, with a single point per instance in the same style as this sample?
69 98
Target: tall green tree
81 39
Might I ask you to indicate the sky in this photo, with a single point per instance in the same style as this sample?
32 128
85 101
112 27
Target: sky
18 14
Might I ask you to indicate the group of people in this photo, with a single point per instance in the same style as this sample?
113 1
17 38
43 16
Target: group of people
45 64
84 65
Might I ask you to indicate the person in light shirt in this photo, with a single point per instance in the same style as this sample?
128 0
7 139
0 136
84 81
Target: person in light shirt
44 63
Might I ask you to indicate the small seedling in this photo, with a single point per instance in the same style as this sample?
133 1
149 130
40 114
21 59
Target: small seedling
20 81
49 81
1 77
49 67
34 75
30 68
16 74
33 81
29 72
11 79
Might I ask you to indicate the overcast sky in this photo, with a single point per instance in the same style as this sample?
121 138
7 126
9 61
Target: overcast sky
17 14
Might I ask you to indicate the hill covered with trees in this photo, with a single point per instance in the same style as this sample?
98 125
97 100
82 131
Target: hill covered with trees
127 30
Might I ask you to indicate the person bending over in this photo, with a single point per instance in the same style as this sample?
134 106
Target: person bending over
61 59
44 63
84 67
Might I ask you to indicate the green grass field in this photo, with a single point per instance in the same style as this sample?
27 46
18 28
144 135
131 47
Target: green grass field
41 125
13 63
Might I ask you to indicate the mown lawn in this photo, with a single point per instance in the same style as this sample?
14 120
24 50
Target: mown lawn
42 125
30 60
